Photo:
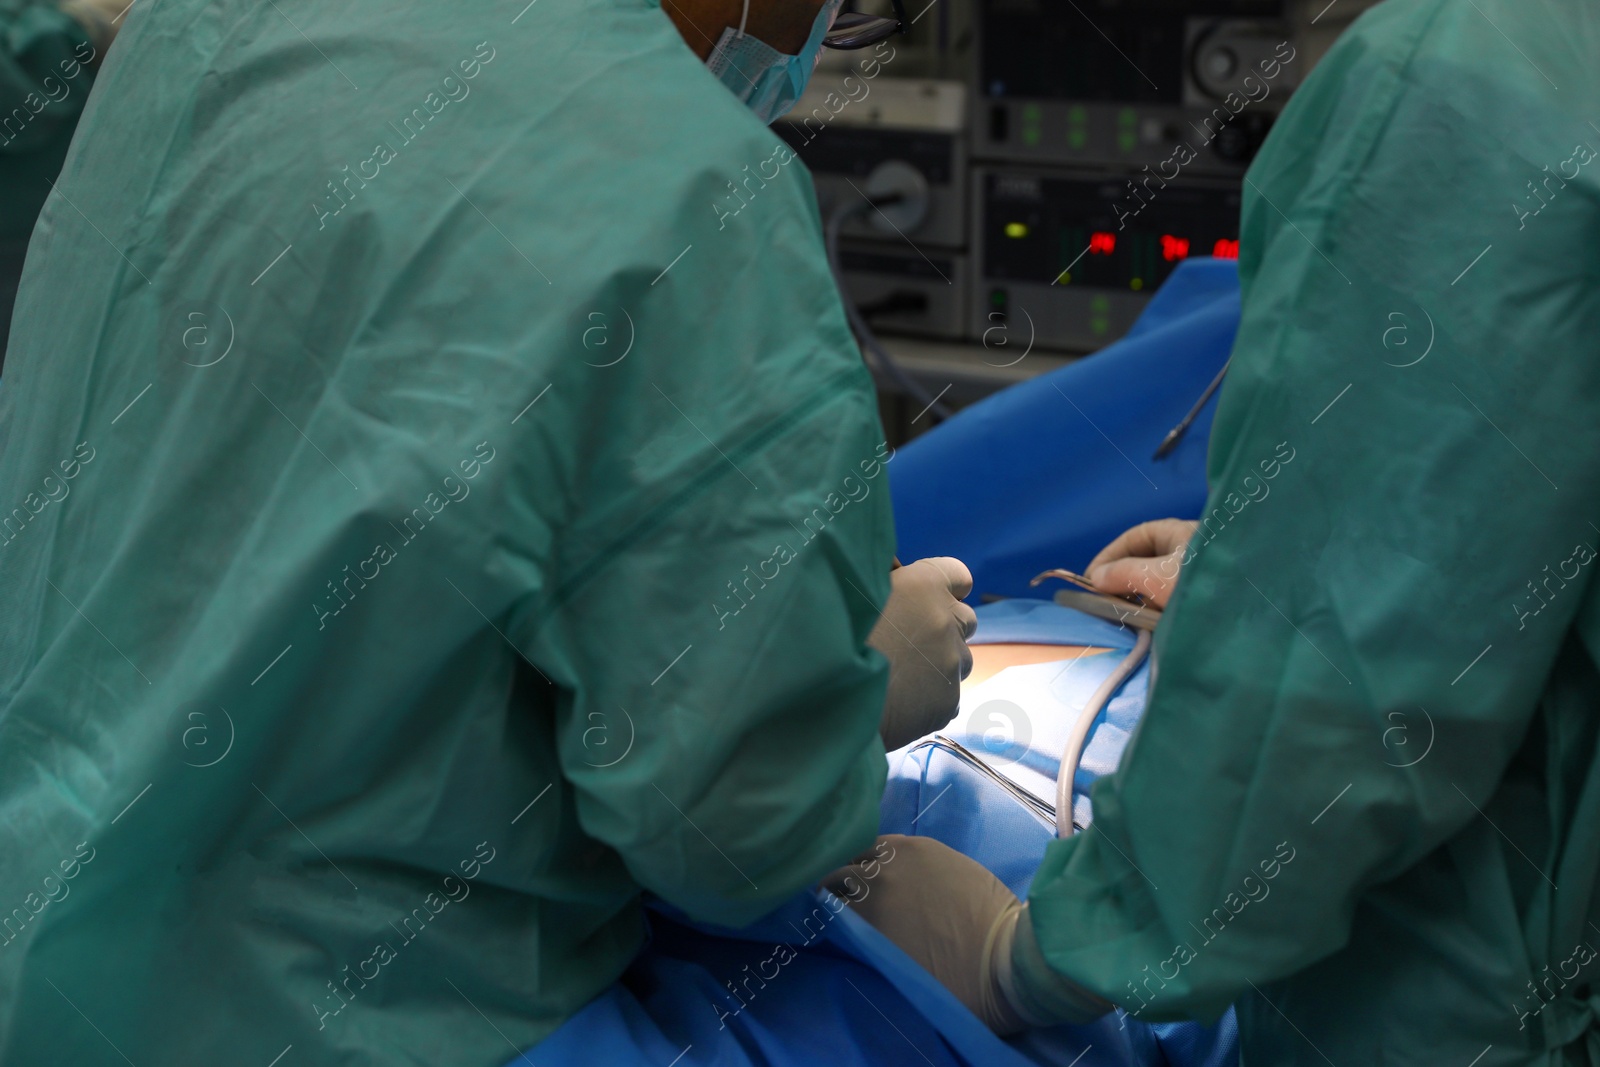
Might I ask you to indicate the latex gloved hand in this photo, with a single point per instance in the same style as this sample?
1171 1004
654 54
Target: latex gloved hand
963 925
923 633
1144 560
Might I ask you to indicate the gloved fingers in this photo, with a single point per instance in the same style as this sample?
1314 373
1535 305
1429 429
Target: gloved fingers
933 654
944 910
962 624
967 618
929 707
852 882
923 632
931 870
944 695
955 918
847 883
881 851
957 577
965 654
1137 542
1146 540
1151 578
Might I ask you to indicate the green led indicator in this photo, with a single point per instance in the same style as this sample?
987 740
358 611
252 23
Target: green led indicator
1078 127
1099 316
1031 119
1127 129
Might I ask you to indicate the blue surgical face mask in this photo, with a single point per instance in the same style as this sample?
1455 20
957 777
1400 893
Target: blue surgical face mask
768 81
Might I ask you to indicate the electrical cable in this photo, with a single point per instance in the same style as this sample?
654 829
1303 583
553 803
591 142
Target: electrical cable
869 340
1072 754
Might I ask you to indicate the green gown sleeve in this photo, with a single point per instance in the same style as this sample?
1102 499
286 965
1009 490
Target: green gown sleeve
1401 527
719 712
727 553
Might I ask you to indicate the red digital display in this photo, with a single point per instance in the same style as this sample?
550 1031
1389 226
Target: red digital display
1226 249
1102 244
1174 248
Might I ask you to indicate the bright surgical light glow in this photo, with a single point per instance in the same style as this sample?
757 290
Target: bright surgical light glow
1016 229
1174 248
1102 243
1226 249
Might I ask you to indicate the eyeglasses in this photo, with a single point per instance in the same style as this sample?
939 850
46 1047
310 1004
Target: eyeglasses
854 29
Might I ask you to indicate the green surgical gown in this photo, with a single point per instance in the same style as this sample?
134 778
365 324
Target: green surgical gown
1364 804
442 502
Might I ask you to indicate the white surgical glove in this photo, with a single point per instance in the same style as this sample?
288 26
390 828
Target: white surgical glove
923 633
1144 560
963 925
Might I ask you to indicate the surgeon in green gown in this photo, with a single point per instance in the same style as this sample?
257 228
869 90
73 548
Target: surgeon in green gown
1364 803
432 517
